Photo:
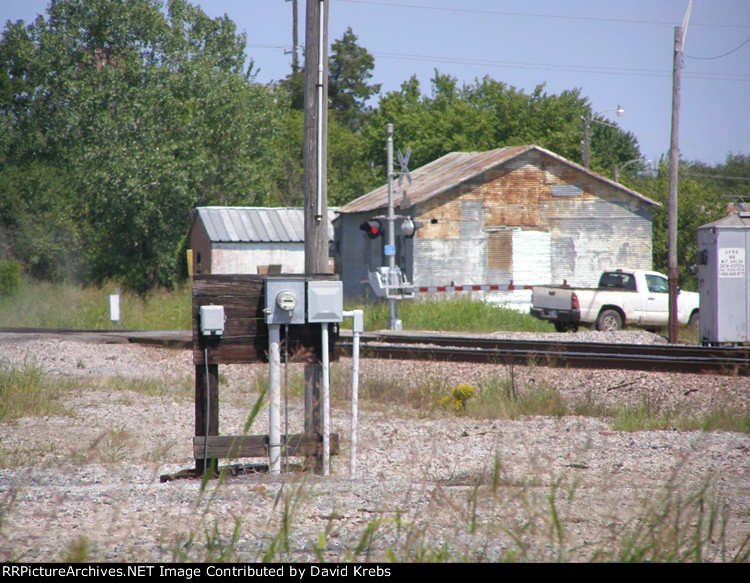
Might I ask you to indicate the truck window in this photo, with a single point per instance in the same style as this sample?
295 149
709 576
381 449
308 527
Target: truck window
656 284
617 280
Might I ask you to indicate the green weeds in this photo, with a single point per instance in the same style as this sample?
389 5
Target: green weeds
459 314
47 305
29 392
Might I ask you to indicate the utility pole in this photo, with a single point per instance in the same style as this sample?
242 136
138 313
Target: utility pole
315 182
295 38
674 163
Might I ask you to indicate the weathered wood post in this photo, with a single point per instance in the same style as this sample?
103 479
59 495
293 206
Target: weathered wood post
315 182
245 340
206 409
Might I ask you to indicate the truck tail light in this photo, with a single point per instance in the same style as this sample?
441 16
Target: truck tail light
574 301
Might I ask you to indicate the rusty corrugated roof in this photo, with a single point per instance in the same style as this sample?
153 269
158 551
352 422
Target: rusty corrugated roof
255 224
453 169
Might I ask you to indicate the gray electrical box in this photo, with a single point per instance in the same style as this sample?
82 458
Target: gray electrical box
325 301
285 300
212 320
724 279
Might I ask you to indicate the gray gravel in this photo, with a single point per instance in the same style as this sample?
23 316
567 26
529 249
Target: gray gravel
427 485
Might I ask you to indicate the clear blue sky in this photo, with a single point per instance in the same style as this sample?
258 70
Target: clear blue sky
618 52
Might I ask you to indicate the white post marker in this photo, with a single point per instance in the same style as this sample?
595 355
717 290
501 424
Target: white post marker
114 307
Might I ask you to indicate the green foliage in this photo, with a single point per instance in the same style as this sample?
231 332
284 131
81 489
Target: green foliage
117 118
677 528
69 306
10 277
350 68
78 551
459 314
28 392
698 203
500 398
730 179
489 114
456 399
143 115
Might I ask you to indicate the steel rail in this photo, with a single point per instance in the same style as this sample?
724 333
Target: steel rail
726 360
671 358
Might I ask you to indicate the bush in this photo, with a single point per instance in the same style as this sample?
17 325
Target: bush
10 277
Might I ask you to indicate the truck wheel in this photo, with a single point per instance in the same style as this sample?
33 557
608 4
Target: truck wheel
609 321
566 327
694 319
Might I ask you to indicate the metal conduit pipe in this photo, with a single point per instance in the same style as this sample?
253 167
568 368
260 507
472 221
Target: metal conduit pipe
274 382
321 51
325 397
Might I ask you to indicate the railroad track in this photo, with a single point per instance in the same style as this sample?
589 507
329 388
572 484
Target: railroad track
456 348
651 357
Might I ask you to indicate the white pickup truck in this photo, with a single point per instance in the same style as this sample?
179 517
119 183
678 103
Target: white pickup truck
624 297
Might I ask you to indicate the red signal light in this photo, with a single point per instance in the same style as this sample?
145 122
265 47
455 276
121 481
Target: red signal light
373 228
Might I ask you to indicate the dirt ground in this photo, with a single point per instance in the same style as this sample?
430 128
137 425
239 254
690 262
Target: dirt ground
86 484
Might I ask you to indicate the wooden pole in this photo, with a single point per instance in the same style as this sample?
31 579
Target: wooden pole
674 163
315 138
295 40
315 183
206 410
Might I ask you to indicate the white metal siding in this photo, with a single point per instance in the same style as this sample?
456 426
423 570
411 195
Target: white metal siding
246 257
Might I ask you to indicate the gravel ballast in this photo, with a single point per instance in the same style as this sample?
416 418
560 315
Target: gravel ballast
428 486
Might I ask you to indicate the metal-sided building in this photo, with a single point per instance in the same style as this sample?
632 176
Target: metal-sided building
237 240
520 214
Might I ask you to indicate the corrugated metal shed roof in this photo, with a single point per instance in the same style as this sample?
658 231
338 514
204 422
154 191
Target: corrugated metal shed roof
739 220
256 225
453 169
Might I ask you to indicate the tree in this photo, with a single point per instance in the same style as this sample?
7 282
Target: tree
485 115
142 115
731 179
697 204
350 68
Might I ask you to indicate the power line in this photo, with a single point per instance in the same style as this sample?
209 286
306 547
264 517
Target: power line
554 67
531 15
717 176
719 56
621 71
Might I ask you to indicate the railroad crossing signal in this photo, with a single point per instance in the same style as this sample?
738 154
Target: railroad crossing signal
403 161
373 228
409 228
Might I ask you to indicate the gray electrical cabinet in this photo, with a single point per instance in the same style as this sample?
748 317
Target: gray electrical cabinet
325 301
285 300
724 280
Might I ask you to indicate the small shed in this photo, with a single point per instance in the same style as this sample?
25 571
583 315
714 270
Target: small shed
518 214
249 240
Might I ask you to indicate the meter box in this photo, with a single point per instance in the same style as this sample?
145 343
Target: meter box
325 301
285 300
212 320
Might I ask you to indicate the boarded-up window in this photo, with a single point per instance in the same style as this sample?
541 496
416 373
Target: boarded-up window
566 190
472 219
500 250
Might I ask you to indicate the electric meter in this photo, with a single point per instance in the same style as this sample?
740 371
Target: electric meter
286 300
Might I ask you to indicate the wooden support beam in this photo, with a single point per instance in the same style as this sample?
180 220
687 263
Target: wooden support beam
242 446
245 338
206 410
